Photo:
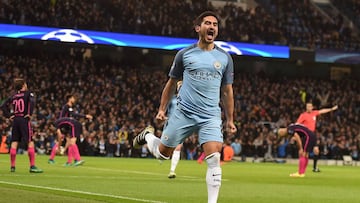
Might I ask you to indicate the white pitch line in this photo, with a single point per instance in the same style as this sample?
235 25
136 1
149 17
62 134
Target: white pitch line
137 172
93 177
81 192
144 173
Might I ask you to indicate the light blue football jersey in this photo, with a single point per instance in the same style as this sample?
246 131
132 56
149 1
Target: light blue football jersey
203 73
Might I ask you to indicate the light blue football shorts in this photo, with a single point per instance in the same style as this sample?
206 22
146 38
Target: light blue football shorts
181 125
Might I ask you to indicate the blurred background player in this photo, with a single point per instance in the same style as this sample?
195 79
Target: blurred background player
71 129
305 140
308 119
175 160
57 148
68 111
177 152
22 106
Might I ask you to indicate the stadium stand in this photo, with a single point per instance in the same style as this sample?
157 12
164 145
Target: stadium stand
124 97
284 22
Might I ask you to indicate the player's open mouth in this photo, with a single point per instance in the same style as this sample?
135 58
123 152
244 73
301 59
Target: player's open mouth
210 34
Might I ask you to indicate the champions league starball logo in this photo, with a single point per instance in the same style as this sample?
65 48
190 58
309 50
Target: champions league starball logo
67 35
134 40
228 47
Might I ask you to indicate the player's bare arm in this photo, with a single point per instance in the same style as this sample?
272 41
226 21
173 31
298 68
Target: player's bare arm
297 139
327 110
227 98
167 94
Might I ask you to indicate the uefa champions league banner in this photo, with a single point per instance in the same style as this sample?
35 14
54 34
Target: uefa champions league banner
134 40
335 56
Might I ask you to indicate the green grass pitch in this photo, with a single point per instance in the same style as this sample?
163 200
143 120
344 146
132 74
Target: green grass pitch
145 180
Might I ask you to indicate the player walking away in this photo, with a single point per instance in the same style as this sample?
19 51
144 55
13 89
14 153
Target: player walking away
71 129
308 119
305 139
67 111
22 106
207 73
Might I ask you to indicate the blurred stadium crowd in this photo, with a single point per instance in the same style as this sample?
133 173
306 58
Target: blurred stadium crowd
124 99
282 22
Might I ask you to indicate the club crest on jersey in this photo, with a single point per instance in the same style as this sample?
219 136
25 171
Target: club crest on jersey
217 65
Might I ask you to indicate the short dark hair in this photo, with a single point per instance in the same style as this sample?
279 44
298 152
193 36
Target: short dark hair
68 96
204 14
18 83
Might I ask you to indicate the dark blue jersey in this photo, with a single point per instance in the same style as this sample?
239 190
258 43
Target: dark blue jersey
68 111
299 129
308 138
20 104
69 126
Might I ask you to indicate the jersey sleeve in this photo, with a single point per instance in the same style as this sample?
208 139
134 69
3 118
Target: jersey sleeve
177 67
229 72
316 112
78 115
31 103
